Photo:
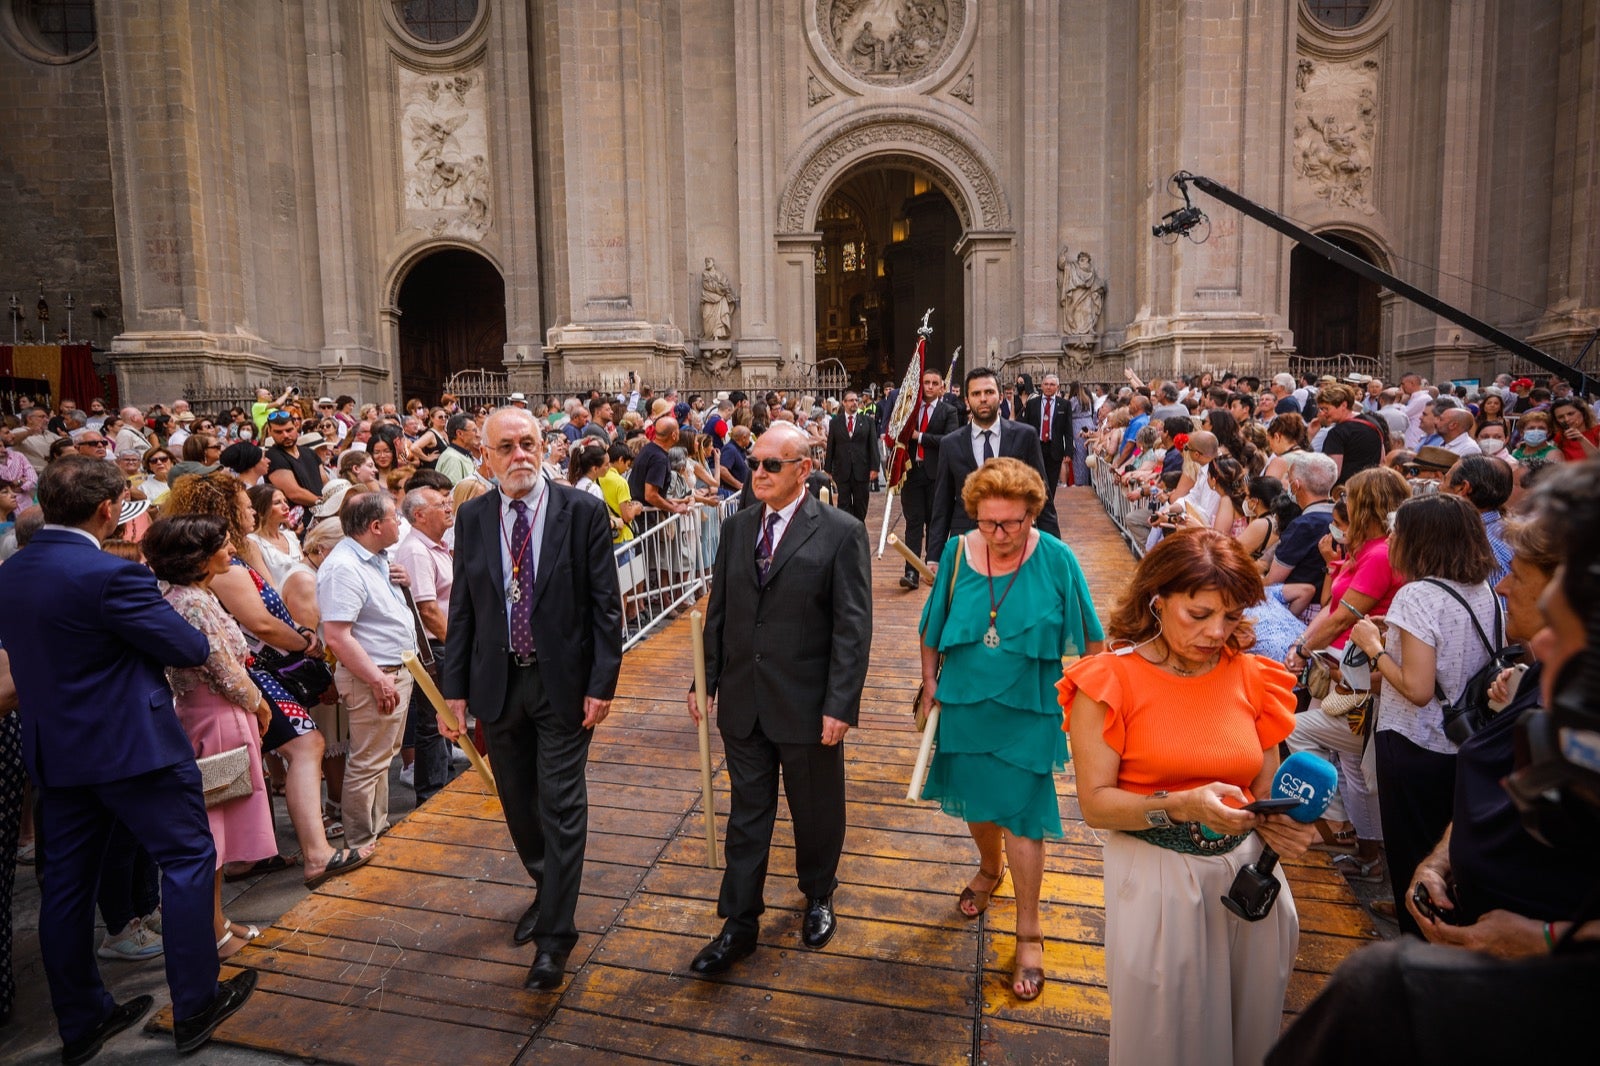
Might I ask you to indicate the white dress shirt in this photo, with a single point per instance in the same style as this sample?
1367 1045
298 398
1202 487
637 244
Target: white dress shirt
538 502
977 441
785 516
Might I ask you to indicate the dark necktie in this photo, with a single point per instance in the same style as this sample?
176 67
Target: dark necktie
988 445
522 576
764 548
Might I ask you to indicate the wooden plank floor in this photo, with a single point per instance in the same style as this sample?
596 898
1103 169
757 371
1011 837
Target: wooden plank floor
411 959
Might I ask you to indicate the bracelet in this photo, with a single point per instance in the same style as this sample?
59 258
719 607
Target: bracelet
307 632
1549 938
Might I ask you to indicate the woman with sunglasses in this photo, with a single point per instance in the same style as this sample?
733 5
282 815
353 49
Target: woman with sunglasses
1007 607
157 463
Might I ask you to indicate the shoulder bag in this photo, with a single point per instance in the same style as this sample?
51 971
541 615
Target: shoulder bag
917 716
225 776
1470 711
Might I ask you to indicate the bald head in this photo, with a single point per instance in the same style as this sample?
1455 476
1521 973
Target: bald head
1204 444
511 420
666 432
1454 422
792 441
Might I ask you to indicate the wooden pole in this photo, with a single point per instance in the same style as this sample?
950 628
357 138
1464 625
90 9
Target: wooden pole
697 635
435 697
911 557
919 772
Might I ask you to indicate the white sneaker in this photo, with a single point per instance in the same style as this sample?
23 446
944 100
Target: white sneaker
458 757
133 944
152 922
408 775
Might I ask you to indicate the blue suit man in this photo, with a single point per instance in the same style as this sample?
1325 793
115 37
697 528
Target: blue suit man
103 744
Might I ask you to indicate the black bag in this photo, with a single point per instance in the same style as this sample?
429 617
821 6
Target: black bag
302 677
1470 712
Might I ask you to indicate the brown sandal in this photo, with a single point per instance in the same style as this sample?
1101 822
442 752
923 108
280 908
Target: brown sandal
1033 975
979 900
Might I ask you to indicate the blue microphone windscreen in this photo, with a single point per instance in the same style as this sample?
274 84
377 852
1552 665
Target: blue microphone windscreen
1311 779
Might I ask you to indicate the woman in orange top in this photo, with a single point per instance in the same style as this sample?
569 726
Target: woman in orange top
1171 734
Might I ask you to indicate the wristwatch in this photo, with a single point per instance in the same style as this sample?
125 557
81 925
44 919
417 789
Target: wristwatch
1157 817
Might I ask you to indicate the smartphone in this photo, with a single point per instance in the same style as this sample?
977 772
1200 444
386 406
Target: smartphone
1424 902
1273 805
1513 683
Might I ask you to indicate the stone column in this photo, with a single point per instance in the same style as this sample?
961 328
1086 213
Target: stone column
795 318
987 261
1038 111
758 123
511 122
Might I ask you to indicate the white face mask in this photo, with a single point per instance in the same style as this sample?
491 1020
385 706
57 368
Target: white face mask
1339 536
1492 445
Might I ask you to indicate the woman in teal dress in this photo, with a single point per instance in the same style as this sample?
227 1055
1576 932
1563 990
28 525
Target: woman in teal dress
1020 604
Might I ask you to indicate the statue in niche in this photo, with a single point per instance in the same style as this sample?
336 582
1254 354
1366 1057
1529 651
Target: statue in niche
717 302
1082 295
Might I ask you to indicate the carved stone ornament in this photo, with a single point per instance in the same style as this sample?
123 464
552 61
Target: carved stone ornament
875 135
962 90
444 152
1335 127
890 42
816 92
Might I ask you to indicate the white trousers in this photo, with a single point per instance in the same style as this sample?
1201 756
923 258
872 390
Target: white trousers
1355 800
1191 984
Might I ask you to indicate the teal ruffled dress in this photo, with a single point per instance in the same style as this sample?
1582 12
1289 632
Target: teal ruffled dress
1000 740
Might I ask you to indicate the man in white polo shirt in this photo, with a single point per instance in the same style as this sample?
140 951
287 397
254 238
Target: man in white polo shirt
367 624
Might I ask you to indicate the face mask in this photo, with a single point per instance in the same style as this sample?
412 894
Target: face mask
1339 536
1492 445
1535 438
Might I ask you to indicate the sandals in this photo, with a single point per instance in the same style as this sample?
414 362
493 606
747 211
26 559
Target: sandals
1033 975
343 861
1369 873
1335 841
979 900
264 866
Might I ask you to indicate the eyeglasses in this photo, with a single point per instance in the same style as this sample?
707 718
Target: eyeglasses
1008 527
154 459
93 443
775 466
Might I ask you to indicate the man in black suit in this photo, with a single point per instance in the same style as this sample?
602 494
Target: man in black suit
987 437
535 646
1047 413
787 635
931 419
852 455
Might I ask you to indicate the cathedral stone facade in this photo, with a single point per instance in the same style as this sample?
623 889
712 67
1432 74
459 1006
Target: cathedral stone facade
370 196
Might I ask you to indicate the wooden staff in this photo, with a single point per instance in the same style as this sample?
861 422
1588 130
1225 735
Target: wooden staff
911 557
435 697
697 635
919 772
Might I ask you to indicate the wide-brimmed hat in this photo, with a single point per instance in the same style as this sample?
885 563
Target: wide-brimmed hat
1434 457
132 509
516 397
308 440
333 494
1357 379
184 469
183 416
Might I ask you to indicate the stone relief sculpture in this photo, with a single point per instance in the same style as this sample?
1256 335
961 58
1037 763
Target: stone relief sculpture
1335 126
890 41
444 151
1082 294
816 92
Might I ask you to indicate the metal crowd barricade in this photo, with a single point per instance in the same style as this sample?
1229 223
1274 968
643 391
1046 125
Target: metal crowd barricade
667 567
1122 512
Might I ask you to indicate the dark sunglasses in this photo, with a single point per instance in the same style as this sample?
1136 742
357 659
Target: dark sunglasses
775 466
280 417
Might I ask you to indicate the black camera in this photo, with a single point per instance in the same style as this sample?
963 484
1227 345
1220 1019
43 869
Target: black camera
1254 889
1178 222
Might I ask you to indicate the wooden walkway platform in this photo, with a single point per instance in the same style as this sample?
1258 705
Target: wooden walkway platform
411 959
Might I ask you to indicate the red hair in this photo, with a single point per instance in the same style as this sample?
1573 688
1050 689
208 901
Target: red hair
1188 562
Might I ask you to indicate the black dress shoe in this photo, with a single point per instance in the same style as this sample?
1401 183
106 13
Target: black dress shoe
909 579
720 955
190 1033
530 917
549 969
122 1015
819 923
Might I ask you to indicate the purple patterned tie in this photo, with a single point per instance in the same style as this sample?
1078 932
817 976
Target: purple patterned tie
522 570
764 548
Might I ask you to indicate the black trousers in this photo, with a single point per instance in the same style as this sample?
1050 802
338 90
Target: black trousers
813 781
1416 800
853 498
916 499
539 754
1053 454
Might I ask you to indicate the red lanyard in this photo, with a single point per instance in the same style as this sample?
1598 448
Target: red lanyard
515 552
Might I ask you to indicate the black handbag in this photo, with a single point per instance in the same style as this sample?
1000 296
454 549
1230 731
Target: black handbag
302 677
1470 711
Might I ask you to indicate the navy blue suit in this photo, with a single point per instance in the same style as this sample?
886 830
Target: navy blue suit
103 744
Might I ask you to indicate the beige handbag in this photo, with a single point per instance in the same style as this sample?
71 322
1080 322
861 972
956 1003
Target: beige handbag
225 776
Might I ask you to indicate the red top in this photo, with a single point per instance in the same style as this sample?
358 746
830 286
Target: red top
1183 732
1366 572
1571 449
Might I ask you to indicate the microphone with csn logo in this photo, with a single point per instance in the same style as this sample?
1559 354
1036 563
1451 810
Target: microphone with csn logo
1302 789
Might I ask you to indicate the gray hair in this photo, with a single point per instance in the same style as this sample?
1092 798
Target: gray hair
414 501
361 510
1317 472
677 458
321 537
1284 381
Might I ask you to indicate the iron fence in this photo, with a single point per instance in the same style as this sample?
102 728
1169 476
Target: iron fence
665 569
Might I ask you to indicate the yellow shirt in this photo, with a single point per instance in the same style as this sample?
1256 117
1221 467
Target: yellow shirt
615 488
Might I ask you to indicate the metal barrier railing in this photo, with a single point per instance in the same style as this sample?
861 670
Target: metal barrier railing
667 567
1122 512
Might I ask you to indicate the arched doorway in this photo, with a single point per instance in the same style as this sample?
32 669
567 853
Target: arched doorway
452 317
1332 310
886 256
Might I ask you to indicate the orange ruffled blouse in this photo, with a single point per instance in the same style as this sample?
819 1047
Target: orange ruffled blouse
1183 732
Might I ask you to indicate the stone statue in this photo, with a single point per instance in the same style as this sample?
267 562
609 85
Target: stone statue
1082 295
869 52
717 302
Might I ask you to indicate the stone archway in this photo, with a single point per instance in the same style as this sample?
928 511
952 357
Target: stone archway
449 305
954 165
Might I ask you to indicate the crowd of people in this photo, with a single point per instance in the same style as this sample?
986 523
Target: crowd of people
1331 566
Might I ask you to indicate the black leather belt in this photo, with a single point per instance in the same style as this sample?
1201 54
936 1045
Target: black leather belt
525 660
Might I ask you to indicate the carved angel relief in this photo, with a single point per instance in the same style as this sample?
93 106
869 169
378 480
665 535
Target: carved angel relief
444 153
1335 127
890 42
